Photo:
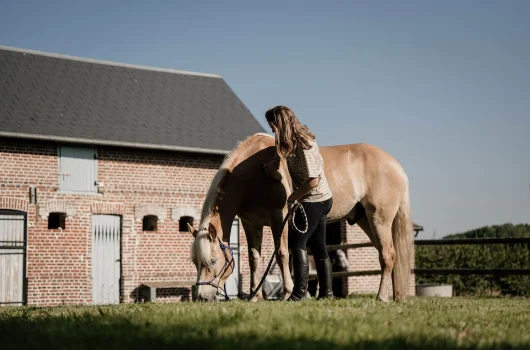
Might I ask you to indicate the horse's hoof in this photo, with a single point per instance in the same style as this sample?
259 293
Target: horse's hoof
383 299
286 296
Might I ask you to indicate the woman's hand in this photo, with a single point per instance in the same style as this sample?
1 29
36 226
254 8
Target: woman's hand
271 167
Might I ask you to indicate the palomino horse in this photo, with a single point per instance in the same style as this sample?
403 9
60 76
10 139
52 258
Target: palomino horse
369 188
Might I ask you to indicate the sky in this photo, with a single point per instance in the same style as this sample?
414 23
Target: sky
443 86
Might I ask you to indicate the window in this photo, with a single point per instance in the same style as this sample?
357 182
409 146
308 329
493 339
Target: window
183 223
56 220
149 223
78 169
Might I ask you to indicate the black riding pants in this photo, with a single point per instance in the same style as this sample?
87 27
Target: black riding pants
315 236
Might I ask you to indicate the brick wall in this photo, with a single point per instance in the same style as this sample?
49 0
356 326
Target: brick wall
59 263
157 183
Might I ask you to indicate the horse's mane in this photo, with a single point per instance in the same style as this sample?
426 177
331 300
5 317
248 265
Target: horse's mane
229 163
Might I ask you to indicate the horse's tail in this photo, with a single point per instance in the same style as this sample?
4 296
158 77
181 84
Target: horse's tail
404 247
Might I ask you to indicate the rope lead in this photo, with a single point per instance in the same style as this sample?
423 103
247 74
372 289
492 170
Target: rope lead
299 206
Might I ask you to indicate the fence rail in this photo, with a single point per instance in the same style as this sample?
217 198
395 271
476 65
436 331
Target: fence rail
473 241
457 271
341 274
439 271
420 242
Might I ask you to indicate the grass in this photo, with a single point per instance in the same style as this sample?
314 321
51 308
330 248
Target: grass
358 323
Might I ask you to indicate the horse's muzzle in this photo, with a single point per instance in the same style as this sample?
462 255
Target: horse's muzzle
206 293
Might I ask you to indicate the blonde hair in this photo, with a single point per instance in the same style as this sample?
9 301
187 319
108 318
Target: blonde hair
289 132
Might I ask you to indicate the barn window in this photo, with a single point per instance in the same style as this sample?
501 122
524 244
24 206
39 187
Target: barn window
56 220
78 169
183 223
150 223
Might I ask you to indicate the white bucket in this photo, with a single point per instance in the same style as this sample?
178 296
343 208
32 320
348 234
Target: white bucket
272 287
434 290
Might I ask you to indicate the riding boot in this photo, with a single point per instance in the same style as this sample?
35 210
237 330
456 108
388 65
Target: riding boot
323 267
301 274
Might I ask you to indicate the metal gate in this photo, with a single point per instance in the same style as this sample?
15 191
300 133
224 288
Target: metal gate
106 259
232 282
13 238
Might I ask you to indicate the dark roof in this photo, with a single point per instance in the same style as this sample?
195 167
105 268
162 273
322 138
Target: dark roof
64 98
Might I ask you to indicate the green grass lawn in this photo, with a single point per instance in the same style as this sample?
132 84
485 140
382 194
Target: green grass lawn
358 322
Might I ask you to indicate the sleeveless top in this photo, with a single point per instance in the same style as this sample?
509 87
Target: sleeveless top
306 163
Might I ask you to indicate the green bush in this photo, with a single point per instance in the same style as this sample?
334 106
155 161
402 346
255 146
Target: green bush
496 256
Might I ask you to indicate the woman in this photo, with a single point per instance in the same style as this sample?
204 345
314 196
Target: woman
298 146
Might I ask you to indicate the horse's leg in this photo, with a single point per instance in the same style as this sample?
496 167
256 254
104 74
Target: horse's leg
380 222
282 253
363 223
358 216
365 226
254 236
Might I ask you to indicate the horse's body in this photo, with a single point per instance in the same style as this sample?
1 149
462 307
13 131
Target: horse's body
369 188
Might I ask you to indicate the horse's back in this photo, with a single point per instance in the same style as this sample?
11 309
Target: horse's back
361 155
358 150
359 171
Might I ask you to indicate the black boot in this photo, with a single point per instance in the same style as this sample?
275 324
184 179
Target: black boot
325 280
301 274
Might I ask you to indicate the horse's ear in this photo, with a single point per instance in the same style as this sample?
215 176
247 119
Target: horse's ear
212 231
192 230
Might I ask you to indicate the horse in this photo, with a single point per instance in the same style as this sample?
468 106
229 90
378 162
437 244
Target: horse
369 188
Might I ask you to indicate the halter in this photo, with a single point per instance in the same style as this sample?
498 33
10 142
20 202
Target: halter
223 270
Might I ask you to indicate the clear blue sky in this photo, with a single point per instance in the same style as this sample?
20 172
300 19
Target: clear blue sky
443 86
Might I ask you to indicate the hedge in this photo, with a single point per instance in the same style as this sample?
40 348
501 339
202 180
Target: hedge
479 256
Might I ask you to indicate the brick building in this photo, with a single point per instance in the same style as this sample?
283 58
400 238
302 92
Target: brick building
102 165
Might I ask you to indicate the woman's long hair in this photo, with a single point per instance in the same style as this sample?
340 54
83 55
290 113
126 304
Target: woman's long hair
289 132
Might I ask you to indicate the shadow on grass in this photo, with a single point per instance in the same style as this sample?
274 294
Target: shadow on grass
89 331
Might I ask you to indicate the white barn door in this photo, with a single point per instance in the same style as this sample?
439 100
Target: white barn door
12 257
232 282
106 259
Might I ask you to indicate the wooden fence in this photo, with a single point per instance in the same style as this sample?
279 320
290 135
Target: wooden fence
440 271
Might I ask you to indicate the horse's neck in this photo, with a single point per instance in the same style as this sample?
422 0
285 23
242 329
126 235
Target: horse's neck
222 220
226 218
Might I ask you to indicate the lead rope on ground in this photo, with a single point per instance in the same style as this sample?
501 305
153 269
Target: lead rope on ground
296 206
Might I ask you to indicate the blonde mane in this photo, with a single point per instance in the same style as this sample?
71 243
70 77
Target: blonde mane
201 248
230 161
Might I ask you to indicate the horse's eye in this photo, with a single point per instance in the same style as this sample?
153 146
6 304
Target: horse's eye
214 261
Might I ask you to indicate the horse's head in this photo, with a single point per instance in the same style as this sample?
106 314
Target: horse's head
214 261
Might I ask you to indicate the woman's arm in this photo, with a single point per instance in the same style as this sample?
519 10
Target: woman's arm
273 165
303 190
